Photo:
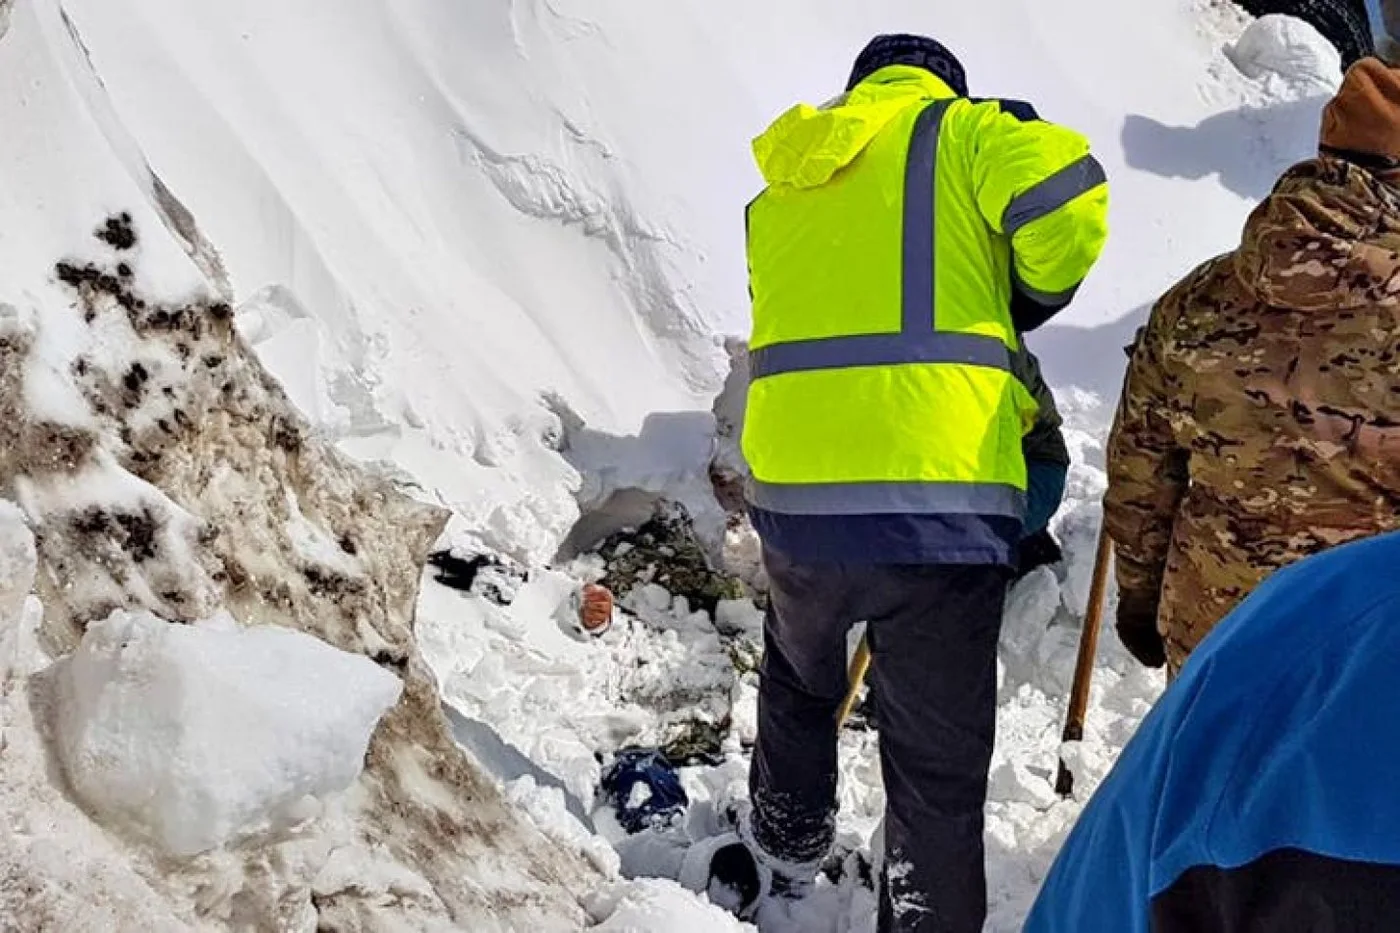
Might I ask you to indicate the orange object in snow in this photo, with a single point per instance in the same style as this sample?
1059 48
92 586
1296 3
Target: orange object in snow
595 614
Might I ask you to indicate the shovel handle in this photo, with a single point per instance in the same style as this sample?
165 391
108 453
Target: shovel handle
860 664
1084 665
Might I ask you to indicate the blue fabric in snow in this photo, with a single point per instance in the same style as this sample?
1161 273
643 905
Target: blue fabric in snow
662 799
1280 733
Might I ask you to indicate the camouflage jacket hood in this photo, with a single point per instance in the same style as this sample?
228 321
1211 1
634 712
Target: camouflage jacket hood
1327 227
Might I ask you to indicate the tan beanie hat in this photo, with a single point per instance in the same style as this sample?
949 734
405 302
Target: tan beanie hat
1364 117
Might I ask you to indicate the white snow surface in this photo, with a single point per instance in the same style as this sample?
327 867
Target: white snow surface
652 905
197 734
1285 50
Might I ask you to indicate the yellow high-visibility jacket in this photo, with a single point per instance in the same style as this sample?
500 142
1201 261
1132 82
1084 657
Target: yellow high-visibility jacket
900 225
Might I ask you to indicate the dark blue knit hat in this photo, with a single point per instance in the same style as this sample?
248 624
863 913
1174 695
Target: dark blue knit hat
919 51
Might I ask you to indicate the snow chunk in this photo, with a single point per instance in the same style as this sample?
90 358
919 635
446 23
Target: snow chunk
1015 782
548 809
639 796
17 561
198 734
652 904
16 324
739 616
1285 51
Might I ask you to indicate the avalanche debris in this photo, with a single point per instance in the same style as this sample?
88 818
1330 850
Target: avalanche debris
197 734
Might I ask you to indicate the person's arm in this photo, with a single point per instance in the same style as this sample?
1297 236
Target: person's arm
1037 184
1147 478
1047 456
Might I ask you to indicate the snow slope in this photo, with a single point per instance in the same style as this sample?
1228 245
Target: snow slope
490 249
158 470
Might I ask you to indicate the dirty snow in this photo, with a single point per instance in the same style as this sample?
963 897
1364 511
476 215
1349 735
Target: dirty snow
18 561
159 468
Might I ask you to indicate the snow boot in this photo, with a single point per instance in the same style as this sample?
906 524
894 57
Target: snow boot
726 870
737 875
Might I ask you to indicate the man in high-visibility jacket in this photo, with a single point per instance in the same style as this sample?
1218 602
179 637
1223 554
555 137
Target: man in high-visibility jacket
907 235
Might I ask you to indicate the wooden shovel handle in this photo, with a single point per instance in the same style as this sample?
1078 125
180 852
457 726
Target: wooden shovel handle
860 663
1088 650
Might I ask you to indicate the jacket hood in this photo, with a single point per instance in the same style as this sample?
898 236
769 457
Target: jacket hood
1327 238
807 145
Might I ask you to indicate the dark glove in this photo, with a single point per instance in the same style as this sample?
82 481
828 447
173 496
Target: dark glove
1037 550
1137 630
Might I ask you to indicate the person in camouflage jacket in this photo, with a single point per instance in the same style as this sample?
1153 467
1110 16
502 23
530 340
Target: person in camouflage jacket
1260 417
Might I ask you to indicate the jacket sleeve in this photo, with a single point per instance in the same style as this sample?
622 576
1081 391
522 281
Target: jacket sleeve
1147 476
1044 441
1037 184
1047 456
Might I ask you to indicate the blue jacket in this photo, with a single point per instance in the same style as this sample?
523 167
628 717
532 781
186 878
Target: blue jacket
1263 791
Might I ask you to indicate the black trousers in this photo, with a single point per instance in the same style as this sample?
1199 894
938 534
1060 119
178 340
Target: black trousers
933 635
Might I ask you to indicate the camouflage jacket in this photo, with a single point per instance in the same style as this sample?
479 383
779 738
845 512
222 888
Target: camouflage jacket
1260 418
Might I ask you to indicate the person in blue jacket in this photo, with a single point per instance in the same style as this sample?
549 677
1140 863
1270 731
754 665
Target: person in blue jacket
1263 791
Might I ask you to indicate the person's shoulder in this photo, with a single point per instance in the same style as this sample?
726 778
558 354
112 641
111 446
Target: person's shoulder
1022 110
1198 303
